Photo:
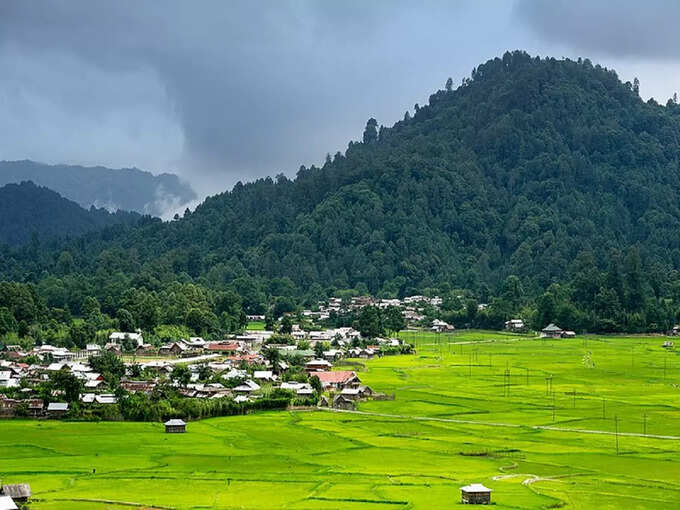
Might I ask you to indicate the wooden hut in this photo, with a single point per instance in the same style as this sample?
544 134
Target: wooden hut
475 494
18 492
175 426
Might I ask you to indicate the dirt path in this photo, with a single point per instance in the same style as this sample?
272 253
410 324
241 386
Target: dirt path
497 424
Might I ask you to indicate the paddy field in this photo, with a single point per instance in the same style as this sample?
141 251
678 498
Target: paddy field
590 422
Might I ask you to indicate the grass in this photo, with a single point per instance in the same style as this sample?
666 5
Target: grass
255 326
413 452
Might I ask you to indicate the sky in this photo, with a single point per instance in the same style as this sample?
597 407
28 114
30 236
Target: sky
225 91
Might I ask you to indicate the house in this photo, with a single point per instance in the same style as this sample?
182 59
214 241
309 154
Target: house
351 393
300 389
317 364
7 381
356 393
341 402
57 408
264 375
514 325
223 347
35 406
440 326
106 398
113 347
93 349
119 336
19 492
141 350
475 494
552 331
175 426
7 503
323 401
247 387
175 348
337 379
332 354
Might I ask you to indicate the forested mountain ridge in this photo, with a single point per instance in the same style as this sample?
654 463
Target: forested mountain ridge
533 171
127 189
29 212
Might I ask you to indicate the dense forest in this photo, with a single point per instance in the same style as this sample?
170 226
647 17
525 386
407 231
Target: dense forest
127 189
29 212
541 187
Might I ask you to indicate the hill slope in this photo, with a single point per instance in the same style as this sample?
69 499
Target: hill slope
541 168
27 210
128 189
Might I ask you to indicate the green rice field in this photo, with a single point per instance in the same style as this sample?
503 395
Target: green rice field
590 422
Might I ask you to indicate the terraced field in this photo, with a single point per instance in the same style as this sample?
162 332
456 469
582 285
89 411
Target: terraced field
536 420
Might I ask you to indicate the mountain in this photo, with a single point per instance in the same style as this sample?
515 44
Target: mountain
532 172
28 211
128 189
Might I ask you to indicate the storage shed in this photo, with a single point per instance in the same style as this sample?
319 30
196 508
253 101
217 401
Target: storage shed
175 426
475 494
18 491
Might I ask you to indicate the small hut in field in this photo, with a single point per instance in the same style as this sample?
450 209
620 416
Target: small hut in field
19 492
475 494
175 426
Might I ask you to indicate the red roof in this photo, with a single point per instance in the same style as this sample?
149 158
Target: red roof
335 377
223 347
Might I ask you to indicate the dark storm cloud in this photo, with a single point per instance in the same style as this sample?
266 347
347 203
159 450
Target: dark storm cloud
623 29
221 91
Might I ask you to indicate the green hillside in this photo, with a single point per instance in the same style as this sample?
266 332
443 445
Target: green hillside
29 212
532 172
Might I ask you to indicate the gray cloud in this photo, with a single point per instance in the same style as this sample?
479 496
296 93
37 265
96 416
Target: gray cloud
625 29
221 91
225 91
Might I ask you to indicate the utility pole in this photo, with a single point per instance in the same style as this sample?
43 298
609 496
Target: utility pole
644 424
553 399
603 409
574 392
616 425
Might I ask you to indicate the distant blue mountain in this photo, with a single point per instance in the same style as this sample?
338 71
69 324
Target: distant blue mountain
128 189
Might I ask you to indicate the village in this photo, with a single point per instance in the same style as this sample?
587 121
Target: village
300 365
48 381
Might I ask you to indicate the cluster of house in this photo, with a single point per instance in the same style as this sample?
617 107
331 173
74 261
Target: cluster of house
411 307
237 368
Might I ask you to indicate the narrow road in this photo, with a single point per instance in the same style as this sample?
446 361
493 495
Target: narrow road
496 424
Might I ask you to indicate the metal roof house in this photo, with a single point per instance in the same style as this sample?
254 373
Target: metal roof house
18 491
475 494
552 331
175 426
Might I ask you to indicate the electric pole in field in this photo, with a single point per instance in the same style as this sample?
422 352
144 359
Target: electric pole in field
616 428
553 406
